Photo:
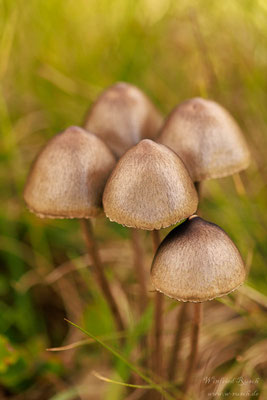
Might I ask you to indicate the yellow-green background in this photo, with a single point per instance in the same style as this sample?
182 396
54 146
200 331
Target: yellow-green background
55 58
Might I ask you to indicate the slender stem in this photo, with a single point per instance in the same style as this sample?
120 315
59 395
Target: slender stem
194 346
158 332
139 266
158 319
99 272
174 357
239 186
156 239
199 186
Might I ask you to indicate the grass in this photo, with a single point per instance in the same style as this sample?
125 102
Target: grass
55 58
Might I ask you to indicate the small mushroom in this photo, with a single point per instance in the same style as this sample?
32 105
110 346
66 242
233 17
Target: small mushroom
207 139
68 177
122 116
197 261
149 188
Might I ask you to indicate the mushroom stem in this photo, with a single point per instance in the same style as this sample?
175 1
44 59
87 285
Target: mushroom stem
239 186
99 272
139 265
138 254
175 349
158 318
199 186
194 347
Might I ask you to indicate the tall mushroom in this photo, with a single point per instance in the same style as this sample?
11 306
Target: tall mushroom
122 116
207 139
67 181
210 143
150 189
196 262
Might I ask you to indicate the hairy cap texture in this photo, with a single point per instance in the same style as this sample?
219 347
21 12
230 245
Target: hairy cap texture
149 188
122 116
207 138
68 177
196 262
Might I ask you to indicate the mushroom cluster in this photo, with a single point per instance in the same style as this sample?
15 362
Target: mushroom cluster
143 173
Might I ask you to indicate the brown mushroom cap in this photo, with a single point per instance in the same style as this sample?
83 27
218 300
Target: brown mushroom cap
197 261
68 177
150 188
207 138
122 116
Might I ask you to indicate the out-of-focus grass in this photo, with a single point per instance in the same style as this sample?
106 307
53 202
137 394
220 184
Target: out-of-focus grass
55 57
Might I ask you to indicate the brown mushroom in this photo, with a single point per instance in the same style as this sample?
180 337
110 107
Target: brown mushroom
68 177
149 188
122 116
207 139
67 181
197 261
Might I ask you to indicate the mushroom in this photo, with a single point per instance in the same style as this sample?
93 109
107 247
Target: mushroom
210 143
67 181
68 177
149 188
122 116
196 262
207 139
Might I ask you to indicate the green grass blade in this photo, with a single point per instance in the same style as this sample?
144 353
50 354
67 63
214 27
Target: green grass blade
152 384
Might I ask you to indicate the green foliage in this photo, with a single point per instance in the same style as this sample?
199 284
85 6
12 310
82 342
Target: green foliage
119 356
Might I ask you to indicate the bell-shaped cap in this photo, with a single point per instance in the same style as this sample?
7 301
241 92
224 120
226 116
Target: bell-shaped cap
197 261
122 116
68 177
207 139
150 188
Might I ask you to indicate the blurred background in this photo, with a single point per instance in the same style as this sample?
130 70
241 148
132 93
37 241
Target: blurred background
56 56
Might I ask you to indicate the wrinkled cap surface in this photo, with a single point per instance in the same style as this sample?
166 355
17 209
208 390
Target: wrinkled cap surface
150 188
122 116
196 262
68 177
207 138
